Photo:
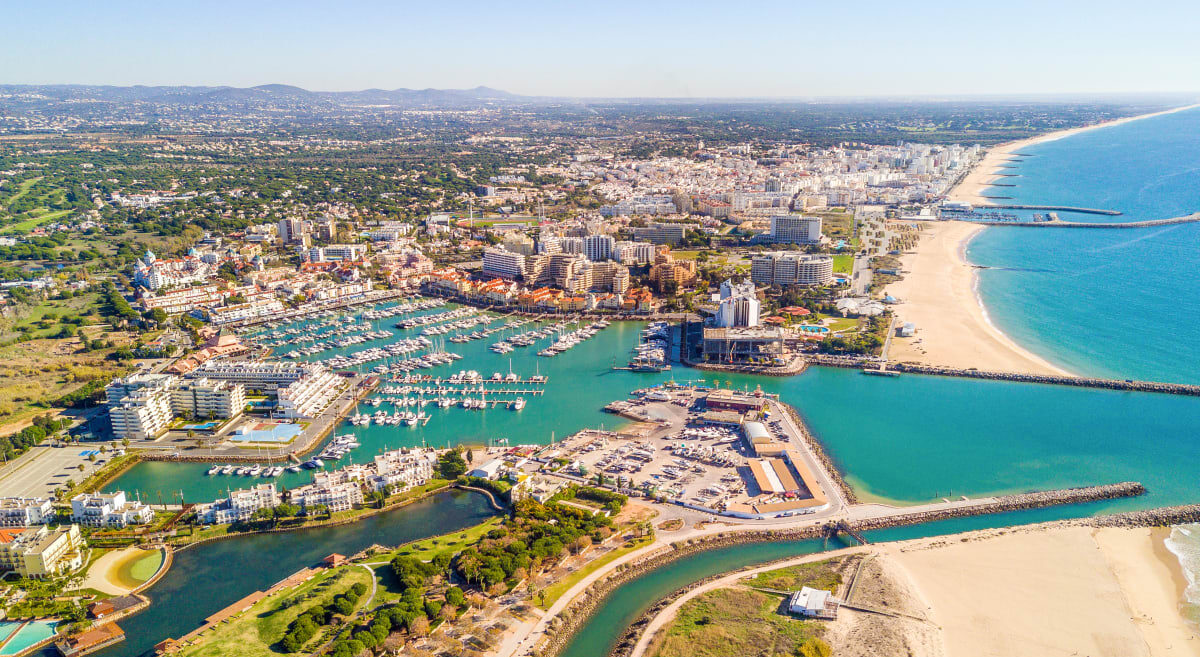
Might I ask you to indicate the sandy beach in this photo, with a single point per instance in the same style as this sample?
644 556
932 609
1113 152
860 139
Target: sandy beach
970 189
1055 590
938 296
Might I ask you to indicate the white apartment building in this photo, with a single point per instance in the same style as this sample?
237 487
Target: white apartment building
256 375
25 511
309 396
239 506
795 229
208 398
337 497
184 300
109 510
503 263
143 414
243 311
634 253
337 252
599 248
791 268
397 467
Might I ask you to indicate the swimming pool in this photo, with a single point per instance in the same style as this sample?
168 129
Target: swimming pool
812 329
17 638
203 426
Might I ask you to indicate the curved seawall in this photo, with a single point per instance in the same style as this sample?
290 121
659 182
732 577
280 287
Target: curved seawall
577 614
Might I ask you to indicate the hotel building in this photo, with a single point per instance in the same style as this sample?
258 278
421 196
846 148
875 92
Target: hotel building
41 552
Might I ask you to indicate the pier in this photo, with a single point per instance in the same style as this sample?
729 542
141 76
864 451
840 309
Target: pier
1189 219
1052 208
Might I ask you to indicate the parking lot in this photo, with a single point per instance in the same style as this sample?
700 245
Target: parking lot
44 469
676 456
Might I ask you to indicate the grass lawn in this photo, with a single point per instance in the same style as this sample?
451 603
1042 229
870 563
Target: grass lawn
559 588
843 264
37 220
735 622
819 575
427 549
842 324
255 632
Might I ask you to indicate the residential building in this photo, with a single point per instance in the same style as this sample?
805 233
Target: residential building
610 277
791 268
309 396
598 248
503 263
109 510
239 506
335 496
668 272
292 230
208 398
142 414
337 252
25 511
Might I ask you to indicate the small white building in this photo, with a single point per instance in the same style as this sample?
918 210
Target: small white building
813 603
25 511
489 470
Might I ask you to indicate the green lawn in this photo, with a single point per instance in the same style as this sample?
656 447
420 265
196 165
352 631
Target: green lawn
452 543
556 591
843 264
38 220
255 632
818 575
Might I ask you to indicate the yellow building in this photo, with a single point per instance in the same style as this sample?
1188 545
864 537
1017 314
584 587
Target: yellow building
41 552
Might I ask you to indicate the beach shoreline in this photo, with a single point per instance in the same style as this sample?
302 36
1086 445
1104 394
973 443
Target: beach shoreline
987 170
939 295
1051 589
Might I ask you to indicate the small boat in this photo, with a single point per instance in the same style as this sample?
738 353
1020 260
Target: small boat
213 470
517 404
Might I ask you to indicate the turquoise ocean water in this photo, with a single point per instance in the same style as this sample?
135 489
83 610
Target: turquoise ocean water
1119 303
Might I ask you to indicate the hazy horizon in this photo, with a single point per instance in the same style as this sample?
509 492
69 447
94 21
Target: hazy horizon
774 50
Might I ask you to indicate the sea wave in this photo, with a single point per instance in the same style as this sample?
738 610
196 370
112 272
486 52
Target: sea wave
1184 543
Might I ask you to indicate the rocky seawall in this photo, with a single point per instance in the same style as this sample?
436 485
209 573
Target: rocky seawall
577 613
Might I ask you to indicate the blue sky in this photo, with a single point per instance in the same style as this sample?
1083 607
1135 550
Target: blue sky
614 48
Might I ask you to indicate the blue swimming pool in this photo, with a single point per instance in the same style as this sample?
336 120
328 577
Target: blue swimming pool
16 638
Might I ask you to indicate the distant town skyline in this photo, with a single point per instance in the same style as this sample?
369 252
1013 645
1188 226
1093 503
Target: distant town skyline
616 49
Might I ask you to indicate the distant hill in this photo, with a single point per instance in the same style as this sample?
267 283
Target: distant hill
266 94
